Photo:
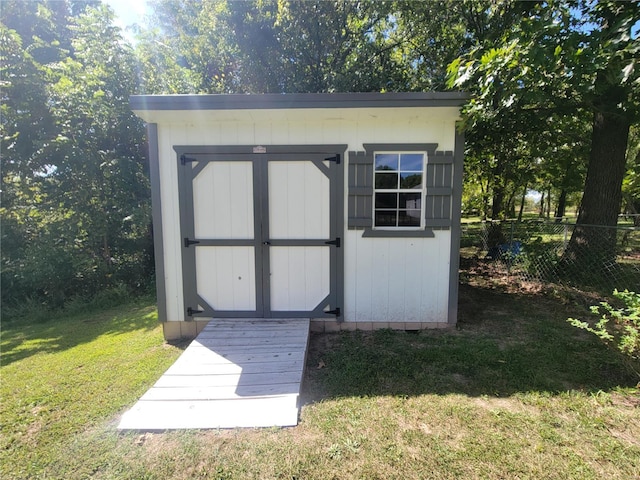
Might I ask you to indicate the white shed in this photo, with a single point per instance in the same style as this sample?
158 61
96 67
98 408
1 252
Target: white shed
341 208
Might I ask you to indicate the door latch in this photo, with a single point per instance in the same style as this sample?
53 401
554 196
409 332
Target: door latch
335 242
188 242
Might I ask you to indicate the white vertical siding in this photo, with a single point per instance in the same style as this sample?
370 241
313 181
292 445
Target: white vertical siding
299 277
396 279
298 201
385 279
223 201
226 278
168 136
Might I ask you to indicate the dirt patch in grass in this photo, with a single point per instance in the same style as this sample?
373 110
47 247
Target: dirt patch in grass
629 400
510 405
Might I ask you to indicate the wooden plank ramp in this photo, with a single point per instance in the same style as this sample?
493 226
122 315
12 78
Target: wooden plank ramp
236 373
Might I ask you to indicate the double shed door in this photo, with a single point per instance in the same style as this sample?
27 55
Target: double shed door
261 230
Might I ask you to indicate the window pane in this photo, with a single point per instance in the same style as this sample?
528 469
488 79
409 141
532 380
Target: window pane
409 218
386 180
385 218
410 200
387 161
411 161
387 200
411 180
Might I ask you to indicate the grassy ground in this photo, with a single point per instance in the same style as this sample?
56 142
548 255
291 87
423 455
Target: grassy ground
514 392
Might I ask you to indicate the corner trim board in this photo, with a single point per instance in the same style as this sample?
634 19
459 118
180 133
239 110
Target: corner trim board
456 206
156 218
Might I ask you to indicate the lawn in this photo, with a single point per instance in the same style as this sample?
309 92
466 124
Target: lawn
514 392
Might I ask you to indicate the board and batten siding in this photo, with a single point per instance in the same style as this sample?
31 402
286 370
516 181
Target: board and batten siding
385 279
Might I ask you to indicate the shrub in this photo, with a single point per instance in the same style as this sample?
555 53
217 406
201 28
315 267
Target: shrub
618 327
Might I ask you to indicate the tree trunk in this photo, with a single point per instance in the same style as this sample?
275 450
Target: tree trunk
485 201
541 213
602 193
511 205
562 205
499 188
522 200
497 206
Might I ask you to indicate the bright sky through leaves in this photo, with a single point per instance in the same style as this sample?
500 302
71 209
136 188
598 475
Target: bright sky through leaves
128 13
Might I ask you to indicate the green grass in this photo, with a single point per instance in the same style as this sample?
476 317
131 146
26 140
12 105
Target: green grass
515 392
70 375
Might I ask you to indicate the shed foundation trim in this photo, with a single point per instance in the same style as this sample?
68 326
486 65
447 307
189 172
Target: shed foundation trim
321 326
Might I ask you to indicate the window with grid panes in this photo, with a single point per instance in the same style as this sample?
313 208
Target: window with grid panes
398 190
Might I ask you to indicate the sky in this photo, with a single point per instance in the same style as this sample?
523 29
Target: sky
128 12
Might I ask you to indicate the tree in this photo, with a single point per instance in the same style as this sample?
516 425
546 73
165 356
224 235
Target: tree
26 125
75 207
631 182
434 34
302 46
269 46
568 57
98 151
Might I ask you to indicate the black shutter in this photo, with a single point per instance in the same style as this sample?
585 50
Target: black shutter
439 183
360 206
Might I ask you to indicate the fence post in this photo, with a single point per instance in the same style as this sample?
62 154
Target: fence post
510 249
566 231
511 234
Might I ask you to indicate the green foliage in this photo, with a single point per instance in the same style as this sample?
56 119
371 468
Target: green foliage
563 59
75 195
269 46
618 327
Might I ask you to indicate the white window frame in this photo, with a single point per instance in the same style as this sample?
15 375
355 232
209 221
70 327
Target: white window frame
423 191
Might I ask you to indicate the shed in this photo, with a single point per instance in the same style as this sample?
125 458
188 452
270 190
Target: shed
341 208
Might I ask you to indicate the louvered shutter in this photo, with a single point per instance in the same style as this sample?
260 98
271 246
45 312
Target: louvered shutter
439 183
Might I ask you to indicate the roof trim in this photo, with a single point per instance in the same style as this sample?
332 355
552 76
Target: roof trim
296 100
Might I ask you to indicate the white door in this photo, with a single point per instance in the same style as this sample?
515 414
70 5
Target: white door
261 231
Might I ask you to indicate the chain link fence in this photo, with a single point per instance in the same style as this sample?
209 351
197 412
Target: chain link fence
598 259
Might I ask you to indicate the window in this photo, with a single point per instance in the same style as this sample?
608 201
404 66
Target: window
398 190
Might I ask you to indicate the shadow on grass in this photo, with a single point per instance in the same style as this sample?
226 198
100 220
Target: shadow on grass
22 340
504 344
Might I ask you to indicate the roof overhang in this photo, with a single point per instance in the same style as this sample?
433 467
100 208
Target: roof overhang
141 103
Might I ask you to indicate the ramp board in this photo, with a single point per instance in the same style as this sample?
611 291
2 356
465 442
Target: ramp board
236 373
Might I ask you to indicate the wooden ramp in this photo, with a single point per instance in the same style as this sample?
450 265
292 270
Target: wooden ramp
236 373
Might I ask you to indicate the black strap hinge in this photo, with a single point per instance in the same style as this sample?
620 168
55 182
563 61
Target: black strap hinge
335 312
335 242
191 312
184 159
188 242
335 158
